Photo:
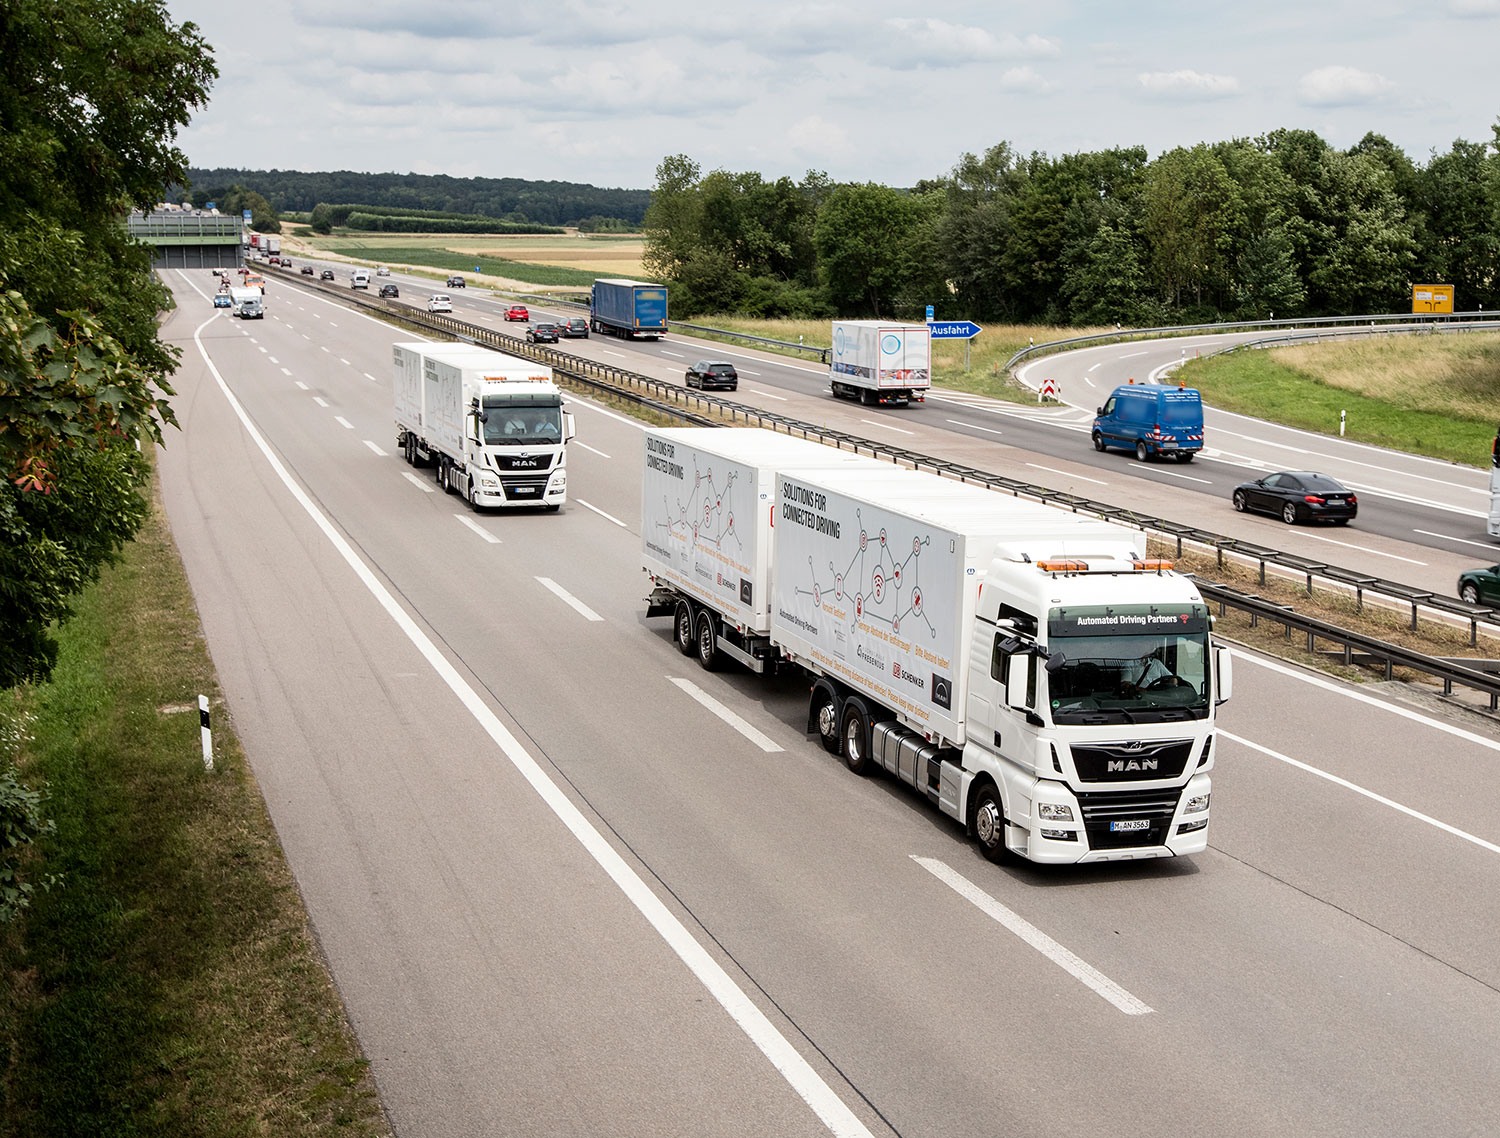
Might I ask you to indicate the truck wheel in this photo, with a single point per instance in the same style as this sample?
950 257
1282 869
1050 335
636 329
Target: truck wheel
682 629
1141 453
1098 441
987 819
708 648
473 497
824 717
854 738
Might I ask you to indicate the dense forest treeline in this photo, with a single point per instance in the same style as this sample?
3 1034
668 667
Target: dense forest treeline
1282 224
506 199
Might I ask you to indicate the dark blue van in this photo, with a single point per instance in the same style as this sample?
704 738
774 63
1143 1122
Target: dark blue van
1155 422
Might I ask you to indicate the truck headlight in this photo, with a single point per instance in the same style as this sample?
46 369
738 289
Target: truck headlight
1197 804
1054 811
488 481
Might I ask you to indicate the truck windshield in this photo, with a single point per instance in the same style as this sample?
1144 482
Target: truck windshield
522 420
1129 664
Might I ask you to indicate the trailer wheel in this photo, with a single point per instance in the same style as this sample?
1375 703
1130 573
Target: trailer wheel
854 737
708 648
823 716
987 820
682 629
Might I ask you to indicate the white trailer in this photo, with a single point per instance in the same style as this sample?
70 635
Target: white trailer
248 303
271 245
491 426
879 361
1027 669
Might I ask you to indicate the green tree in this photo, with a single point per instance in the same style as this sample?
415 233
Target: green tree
1190 212
1105 282
674 219
860 238
91 97
1266 282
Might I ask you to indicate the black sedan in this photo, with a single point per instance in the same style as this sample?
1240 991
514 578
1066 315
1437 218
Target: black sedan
1298 496
576 328
307 270
326 275
542 333
389 290
713 373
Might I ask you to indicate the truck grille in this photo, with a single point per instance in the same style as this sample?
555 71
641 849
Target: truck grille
1129 762
524 487
1155 806
515 462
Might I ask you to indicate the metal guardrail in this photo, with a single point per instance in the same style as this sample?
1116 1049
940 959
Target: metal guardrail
1169 331
701 409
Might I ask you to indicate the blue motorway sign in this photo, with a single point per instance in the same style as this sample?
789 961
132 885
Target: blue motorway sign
954 329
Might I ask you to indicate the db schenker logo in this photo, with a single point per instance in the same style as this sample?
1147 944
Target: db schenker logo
915 681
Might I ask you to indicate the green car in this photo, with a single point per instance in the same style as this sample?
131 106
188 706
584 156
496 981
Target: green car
1480 586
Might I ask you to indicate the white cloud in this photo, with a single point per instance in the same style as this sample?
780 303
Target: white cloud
1193 84
1339 86
1023 79
817 138
1479 8
937 43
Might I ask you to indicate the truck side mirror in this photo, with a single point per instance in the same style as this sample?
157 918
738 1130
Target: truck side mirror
1018 691
569 430
1223 676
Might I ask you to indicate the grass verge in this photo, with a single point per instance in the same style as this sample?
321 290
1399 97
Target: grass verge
170 984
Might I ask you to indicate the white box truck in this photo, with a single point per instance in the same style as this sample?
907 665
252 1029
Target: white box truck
271 245
878 361
359 278
248 303
492 426
1027 669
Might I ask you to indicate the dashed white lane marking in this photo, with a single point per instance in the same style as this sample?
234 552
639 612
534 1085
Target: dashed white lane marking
370 377
887 426
301 385
1490 545
343 422
1364 549
273 359
764 742
622 355
1184 477
590 449
420 483
675 355
601 513
320 401
376 449
767 394
286 371
1064 958
345 362
477 528
568 599
975 427
1065 474
1132 355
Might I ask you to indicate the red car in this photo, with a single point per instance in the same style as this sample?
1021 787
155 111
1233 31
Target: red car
517 312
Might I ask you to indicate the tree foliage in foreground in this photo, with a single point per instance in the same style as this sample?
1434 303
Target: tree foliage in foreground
92 94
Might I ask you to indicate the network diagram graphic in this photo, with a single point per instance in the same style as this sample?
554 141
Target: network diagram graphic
884 590
709 521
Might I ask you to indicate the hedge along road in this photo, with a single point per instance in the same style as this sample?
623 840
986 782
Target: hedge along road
502 984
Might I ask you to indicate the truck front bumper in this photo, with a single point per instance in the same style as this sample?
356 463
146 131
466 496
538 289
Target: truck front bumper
1093 826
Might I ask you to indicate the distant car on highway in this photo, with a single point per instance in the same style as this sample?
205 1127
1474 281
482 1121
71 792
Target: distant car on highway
389 290
517 312
223 300
575 328
1298 496
307 270
1480 586
713 373
382 271
542 333
439 303
326 275
456 282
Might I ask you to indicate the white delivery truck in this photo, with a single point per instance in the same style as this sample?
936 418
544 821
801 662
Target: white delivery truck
877 361
491 425
247 303
1029 670
271 245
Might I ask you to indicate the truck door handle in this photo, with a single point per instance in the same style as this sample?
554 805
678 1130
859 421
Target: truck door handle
997 739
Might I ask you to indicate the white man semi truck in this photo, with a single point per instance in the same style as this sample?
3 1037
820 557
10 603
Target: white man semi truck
1027 669
880 361
492 426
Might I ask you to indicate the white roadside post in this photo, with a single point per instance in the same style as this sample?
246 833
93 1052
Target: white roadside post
207 732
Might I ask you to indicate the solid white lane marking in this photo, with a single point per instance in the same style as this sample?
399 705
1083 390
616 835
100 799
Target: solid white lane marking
477 528
343 422
1370 794
1064 958
975 427
1490 545
767 394
764 742
601 513
376 449
1184 477
569 599
320 401
303 386
887 426
590 449
1065 474
831 1110
420 483
1364 549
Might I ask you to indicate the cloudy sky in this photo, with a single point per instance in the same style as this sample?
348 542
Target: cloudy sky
876 91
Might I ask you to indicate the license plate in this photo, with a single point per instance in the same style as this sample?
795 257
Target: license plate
1128 825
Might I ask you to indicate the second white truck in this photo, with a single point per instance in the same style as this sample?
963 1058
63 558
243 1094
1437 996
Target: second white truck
491 426
880 361
1028 670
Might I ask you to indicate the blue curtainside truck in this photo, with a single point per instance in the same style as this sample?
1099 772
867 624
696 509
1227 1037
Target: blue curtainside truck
628 308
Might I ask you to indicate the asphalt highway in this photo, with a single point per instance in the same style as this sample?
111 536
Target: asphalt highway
569 883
